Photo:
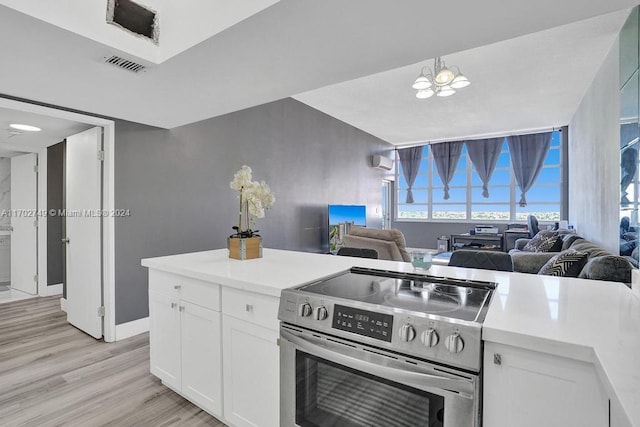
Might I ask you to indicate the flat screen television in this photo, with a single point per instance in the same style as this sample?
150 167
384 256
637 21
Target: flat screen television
341 218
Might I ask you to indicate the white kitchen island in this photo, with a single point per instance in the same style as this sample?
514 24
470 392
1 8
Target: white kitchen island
214 333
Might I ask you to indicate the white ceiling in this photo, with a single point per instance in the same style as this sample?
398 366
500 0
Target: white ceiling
526 83
292 47
180 27
53 131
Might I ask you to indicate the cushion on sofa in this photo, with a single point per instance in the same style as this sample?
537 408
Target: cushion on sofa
544 241
592 249
568 263
568 240
607 267
529 262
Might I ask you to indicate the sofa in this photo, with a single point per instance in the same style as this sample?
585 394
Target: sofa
600 264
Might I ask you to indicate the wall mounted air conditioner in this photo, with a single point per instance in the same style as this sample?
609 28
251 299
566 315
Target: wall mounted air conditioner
381 162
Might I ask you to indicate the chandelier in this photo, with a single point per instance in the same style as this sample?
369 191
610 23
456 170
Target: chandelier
441 82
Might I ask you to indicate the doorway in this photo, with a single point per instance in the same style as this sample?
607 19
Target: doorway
55 120
18 226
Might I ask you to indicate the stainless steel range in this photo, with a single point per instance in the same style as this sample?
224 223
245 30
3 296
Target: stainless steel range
379 348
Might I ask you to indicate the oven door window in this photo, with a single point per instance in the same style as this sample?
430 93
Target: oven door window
331 395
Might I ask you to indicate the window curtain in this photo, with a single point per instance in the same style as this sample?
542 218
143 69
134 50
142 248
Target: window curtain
446 156
484 155
410 159
528 153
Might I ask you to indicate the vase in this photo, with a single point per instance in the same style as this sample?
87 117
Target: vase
245 247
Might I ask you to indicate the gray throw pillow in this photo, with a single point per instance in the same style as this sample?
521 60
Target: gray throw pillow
568 263
544 241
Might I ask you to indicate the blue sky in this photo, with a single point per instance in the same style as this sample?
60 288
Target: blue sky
347 213
498 194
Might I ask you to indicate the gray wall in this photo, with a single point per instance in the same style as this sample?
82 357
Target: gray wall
55 224
594 158
176 184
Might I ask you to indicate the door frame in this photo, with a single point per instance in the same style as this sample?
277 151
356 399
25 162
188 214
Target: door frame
108 203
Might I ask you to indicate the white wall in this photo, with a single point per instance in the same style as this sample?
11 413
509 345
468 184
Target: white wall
5 206
594 158
5 189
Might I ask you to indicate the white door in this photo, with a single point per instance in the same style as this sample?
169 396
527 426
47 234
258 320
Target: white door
84 235
164 339
251 358
24 203
201 333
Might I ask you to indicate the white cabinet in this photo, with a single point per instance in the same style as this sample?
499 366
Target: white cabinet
529 389
185 337
201 357
164 338
250 359
199 330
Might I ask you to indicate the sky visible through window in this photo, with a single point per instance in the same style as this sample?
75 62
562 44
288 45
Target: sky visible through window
466 201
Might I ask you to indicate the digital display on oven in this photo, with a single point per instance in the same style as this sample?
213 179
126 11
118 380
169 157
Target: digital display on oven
362 322
361 317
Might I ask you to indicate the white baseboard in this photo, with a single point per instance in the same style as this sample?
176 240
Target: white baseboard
63 304
51 290
130 329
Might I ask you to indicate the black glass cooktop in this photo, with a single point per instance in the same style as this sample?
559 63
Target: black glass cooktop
458 299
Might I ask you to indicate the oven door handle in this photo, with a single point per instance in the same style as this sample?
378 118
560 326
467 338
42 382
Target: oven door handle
318 347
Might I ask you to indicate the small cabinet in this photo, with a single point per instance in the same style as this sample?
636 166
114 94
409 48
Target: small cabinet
185 338
201 356
491 242
251 359
526 388
164 338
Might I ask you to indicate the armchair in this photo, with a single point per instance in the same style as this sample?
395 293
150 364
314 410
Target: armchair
390 244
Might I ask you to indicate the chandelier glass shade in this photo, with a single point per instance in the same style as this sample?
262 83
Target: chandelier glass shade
442 81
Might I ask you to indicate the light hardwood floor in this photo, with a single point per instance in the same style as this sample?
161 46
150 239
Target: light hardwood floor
51 374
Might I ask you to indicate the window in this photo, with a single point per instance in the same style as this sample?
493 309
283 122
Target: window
466 202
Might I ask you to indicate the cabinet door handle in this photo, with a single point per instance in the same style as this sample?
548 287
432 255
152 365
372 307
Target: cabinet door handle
177 287
174 305
181 308
248 308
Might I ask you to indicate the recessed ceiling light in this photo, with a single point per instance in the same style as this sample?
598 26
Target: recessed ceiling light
26 128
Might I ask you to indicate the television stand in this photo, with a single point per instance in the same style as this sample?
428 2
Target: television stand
489 242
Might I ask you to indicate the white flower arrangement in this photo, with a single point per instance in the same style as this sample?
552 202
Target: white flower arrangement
255 197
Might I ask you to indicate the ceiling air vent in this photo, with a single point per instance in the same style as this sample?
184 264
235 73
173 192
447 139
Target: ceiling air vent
125 64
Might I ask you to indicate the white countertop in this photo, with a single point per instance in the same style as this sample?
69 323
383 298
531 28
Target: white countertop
276 270
588 320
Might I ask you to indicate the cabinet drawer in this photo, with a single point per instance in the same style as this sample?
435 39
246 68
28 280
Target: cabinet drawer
255 308
202 293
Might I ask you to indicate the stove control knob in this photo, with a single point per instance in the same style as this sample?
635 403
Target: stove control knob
430 338
454 343
304 310
321 313
407 332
